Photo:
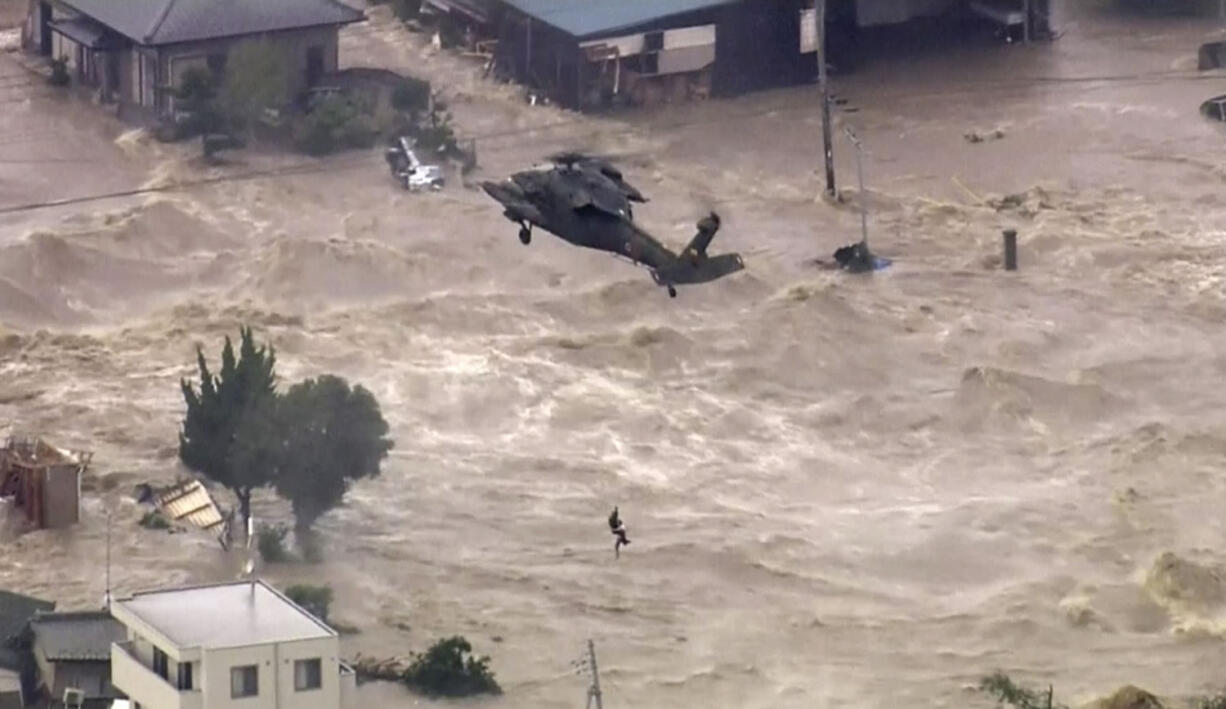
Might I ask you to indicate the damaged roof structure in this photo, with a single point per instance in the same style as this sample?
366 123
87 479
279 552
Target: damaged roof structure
43 481
189 503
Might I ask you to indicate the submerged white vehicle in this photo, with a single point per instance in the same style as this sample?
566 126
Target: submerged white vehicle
405 166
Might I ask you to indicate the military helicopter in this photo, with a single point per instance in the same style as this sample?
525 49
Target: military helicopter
586 201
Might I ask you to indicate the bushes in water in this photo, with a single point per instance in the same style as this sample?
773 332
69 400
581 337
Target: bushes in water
411 95
270 540
335 123
154 520
444 671
435 133
315 599
1003 688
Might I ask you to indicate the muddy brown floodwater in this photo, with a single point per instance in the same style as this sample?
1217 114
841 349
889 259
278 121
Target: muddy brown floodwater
842 491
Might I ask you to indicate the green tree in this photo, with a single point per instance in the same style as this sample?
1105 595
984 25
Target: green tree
257 77
444 671
229 432
196 95
314 599
333 435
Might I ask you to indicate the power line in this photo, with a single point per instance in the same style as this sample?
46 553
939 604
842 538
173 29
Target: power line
300 168
723 117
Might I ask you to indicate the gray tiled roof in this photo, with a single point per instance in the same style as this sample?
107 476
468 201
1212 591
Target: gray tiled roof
154 22
82 636
583 18
16 610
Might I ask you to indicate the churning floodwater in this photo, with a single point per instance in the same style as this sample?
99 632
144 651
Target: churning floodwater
841 491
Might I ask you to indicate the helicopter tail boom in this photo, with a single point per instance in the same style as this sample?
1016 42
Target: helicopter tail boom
682 272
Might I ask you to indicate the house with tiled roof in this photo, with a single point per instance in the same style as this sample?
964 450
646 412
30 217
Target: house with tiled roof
73 652
17 671
133 52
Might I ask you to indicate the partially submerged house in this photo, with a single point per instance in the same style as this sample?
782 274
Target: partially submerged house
604 52
16 661
226 644
134 52
73 654
43 481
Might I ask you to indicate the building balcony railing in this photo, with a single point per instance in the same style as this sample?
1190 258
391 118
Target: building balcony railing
141 684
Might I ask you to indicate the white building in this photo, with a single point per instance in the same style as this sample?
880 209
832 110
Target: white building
240 644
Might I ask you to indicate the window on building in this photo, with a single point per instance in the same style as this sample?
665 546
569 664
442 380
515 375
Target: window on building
185 675
308 674
653 41
161 664
244 681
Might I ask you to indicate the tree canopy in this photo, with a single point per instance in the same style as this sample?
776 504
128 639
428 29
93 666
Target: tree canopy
257 77
223 434
334 435
309 443
444 671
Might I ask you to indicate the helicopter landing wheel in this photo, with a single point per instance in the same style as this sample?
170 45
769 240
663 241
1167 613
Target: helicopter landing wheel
525 235
672 292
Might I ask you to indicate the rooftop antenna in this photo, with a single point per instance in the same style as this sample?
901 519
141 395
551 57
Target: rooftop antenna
106 598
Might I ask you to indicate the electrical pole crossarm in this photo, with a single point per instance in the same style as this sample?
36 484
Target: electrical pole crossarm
594 692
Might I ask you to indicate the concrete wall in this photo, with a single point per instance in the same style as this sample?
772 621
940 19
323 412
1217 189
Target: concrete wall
135 679
91 677
276 675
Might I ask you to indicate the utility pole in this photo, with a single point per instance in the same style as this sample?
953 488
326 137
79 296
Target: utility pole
827 140
106 599
593 692
860 173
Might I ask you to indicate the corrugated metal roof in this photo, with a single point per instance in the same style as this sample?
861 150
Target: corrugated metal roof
155 22
584 18
190 503
82 636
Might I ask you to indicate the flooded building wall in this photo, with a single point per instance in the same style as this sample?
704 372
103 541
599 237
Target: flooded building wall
758 47
724 50
295 46
137 72
61 491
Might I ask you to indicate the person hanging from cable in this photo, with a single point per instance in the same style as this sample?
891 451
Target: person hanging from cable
619 531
